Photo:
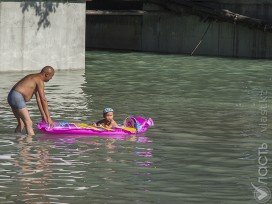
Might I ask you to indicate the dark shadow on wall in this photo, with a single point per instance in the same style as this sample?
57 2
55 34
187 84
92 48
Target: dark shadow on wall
42 9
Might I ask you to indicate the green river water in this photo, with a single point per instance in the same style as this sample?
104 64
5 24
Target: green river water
211 117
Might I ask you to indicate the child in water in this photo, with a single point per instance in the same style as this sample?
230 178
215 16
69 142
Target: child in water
108 121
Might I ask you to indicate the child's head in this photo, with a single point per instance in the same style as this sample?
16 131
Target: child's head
108 114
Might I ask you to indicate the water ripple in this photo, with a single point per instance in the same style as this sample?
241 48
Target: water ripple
201 150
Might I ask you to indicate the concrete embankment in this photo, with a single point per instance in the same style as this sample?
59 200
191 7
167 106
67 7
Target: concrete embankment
157 30
38 33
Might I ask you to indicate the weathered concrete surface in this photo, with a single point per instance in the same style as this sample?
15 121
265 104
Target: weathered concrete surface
34 34
159 31
172 34
114 31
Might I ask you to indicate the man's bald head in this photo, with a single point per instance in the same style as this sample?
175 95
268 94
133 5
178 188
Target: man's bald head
48 72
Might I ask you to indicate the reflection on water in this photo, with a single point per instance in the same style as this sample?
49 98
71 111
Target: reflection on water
48 169
203 148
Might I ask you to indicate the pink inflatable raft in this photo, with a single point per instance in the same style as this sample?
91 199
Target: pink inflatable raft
132 125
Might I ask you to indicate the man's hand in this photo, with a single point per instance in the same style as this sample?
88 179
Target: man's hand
50 122
44 119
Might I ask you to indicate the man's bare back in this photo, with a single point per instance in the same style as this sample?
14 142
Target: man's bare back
28 86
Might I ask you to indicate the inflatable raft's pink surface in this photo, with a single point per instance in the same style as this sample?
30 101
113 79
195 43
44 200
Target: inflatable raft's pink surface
132 125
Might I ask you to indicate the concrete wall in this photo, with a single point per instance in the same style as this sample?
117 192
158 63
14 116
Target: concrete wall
34 34
159 31
172 34
113 31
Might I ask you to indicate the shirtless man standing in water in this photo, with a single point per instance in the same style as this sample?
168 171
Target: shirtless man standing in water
23 91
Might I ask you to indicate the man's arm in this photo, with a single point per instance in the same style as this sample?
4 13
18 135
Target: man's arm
40 107
44 104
